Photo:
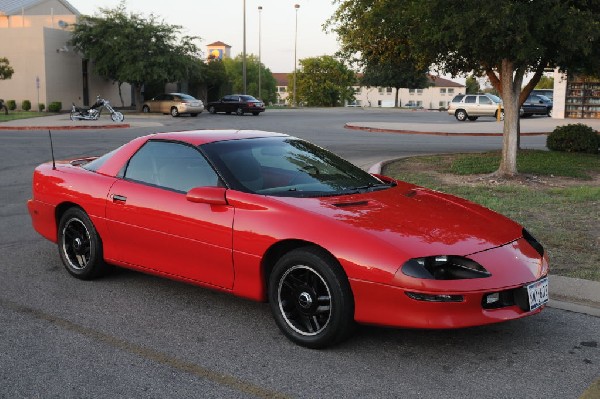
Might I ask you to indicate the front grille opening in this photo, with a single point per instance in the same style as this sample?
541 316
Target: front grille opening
503 299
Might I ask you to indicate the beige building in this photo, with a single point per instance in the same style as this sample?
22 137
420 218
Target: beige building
436 96
34 36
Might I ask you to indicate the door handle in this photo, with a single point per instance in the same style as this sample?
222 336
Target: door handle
119 198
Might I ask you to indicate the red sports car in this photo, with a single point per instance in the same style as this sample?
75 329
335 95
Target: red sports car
273 218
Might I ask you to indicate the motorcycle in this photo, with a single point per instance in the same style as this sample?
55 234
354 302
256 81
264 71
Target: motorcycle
93 113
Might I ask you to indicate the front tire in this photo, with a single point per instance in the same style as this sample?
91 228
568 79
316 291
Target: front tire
79 245
117 117
146 109
311 299
174 112
461 115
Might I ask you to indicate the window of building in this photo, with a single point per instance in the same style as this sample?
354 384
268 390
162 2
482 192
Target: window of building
411 91
419 91
450 91
389 90
443 90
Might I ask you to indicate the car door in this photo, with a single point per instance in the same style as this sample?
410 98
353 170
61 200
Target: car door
471 106
165 104
155 103
486 106
153 226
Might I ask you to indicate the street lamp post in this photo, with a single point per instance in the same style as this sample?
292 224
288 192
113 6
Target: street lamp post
296 6
259 65
244 51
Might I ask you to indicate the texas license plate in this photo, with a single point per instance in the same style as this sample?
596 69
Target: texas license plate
538 293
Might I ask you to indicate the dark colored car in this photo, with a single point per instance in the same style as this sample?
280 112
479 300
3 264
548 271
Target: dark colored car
544 92
239 103
537 104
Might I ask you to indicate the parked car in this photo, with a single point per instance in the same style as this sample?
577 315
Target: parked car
239 103
537 104
175 104
472 106
274 218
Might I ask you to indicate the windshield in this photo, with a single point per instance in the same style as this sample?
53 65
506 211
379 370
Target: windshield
248 98
285 166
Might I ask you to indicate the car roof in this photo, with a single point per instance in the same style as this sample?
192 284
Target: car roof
198 137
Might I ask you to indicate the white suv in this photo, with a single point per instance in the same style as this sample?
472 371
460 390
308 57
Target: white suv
472 106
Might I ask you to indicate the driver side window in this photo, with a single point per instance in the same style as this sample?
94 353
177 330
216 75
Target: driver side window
173 166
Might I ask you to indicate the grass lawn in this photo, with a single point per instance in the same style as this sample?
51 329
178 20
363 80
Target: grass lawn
556 197
13 115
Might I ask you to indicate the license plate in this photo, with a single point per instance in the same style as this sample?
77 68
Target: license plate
538 293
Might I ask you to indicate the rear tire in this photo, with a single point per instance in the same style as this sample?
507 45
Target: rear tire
146 109
311 299
239 111
212 110
79 245
473 118
256 113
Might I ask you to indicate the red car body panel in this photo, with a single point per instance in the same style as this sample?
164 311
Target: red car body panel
226 245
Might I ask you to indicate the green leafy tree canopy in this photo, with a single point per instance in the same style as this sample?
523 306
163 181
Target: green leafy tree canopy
323 82
6 71
503 40
233 67
472 85
128 47
395 72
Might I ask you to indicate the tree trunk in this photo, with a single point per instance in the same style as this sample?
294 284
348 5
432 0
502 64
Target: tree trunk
139 100
511 81
396 100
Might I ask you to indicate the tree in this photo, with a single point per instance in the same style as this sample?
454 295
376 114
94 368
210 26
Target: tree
135 49
545 83
6 71
323 82
395 72
503 40
472 85
233 67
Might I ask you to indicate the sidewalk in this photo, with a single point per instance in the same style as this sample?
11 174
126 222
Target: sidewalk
482 127
566 293
63 122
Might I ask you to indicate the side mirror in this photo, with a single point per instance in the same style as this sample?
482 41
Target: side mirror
207 195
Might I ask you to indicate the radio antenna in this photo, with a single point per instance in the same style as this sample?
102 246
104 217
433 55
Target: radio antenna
52 150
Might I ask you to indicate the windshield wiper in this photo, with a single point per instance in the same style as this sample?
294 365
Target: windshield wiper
371 187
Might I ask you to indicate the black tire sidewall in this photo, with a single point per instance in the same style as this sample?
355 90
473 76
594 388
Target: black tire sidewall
342 303
96 264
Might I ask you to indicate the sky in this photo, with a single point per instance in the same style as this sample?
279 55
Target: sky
222 20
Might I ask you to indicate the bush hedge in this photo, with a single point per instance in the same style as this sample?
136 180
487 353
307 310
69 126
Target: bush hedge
55 106
26 105
11 104
41 107
574 138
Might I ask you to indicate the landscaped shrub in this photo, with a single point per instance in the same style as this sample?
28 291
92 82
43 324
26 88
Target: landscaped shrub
26 105
55 106
41 107
11 104
573 138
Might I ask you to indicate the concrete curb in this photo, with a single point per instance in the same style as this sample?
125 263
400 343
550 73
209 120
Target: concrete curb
401 131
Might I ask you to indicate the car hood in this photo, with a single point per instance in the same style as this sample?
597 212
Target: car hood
416 220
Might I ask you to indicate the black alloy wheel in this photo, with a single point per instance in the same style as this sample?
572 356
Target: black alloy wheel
311 299
79 245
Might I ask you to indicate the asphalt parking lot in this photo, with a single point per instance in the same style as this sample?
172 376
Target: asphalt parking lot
134 335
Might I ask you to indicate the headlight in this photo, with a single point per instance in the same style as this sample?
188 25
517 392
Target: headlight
444 267
533 242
